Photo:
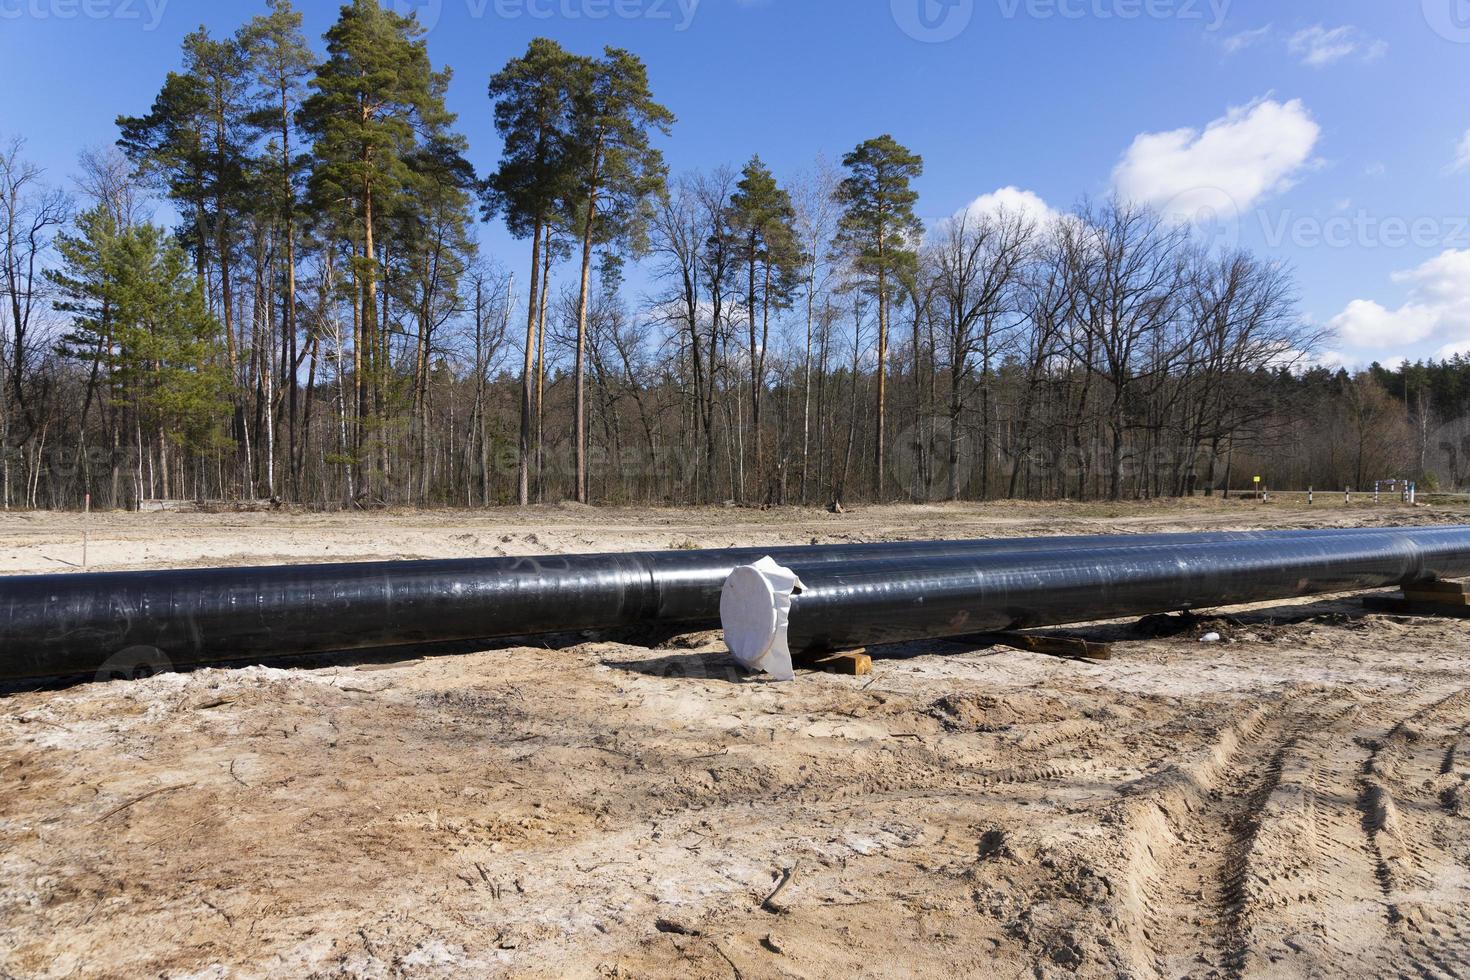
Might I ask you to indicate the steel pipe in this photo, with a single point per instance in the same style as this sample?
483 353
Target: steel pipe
79 624
858 604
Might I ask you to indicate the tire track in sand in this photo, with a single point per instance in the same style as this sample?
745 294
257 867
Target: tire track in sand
1190 834
1310 893
1404 814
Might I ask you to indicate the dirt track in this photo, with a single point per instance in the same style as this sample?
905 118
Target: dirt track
1291 802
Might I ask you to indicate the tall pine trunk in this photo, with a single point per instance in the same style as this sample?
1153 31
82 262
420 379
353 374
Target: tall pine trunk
881 421
579 426
806 388
541 374
368 393
755 387
524 459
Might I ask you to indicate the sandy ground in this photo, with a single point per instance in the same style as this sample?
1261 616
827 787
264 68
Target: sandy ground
1290 802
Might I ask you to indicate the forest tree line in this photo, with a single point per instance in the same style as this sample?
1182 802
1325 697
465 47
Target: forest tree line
319 324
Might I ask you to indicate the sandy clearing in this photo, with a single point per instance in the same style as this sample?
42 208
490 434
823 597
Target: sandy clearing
1292 802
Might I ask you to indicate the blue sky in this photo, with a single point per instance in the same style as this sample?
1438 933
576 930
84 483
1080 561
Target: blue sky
1333 134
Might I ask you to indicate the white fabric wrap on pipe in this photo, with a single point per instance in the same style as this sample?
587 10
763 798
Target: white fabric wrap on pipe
755 609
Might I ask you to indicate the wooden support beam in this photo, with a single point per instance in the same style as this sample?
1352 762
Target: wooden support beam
1069 647
1439 587
1447 593
1406 606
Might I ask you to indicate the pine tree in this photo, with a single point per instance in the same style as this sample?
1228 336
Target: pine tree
83 283
618 172
433 237
195 139
373 92
533 98
139 315
166 339
879 230
282 63
762 220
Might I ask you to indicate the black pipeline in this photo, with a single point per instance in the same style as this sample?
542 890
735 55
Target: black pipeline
844 606
68 625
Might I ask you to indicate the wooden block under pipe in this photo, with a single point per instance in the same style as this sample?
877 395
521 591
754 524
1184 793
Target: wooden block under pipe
1436 598
1453 593
854 663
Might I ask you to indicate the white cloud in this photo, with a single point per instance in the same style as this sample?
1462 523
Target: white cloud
1450 351
1236 43
1318 46
1300 361
1332 360
1438 304
1462 156
1249 153
1365 323
1011 200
